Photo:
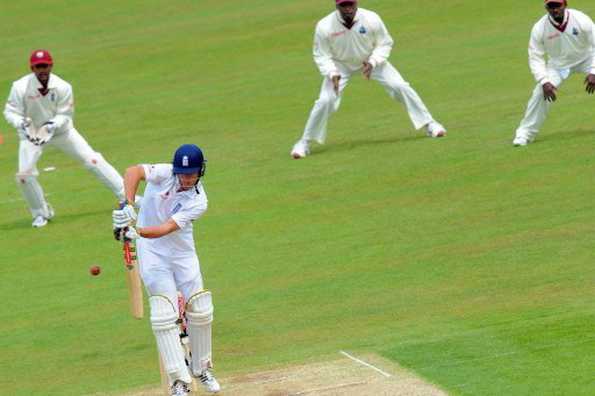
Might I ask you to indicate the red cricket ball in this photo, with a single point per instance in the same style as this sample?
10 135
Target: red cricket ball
95 270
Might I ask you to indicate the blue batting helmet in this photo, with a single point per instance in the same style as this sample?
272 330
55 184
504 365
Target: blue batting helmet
189 159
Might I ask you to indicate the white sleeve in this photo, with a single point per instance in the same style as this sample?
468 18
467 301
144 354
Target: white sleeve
185 216
383 46
322 54
65 110
537 62
593 47
156 173
14 111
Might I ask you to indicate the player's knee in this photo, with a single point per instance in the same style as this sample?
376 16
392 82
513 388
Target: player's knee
24 177
93 160
199 308
164 315
325 101
399 86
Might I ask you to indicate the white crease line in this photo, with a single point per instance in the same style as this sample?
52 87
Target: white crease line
365 364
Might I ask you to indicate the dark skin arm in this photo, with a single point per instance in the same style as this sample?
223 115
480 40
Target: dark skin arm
549 92
590 84
335 81
367 70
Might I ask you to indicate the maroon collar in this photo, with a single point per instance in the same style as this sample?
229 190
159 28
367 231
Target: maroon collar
560 26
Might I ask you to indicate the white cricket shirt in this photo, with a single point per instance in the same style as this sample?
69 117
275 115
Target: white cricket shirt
162 201
25 100
367 40
566 45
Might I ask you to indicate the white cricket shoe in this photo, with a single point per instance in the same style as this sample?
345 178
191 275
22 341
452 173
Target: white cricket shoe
209 382
39 221
179 388
520 141
301 149
435 129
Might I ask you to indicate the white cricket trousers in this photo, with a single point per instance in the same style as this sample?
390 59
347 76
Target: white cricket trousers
73 144
392 81
165 275
538 107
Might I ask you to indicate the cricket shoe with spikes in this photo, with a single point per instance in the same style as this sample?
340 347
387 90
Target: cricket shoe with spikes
209 382
179 388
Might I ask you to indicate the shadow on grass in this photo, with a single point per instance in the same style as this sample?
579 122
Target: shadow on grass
25 222
355 143
568 135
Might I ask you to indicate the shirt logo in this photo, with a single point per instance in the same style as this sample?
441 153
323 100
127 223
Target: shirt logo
185 161
575 31
53 96
363 30
176 208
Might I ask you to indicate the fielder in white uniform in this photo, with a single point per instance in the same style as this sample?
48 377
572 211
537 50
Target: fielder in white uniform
174 197
348 41
41 106
567 38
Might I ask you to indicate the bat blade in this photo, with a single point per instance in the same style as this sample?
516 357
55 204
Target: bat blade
133 281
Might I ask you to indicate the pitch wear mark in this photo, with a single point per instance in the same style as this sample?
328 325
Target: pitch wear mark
363 30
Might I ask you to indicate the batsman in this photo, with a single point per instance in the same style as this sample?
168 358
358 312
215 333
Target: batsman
174 197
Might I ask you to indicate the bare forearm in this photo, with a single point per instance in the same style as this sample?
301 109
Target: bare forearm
152 232
132 179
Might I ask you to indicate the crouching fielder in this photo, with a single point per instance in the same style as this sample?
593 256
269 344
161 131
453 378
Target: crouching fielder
173 198
40 107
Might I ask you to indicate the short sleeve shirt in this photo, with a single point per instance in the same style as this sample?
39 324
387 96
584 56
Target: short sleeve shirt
162 201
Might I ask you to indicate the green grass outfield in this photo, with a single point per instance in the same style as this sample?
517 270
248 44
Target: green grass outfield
462 259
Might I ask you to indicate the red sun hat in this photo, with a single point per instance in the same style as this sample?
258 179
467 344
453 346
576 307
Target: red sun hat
41 57
554 1
345 1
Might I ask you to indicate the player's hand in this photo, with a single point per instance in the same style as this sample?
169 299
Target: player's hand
45 133
124 217
118 233
130 233
25 122
367 70
335 81
590 84
549 92
23 128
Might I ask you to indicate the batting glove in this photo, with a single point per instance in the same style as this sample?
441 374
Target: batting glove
124 217
130 233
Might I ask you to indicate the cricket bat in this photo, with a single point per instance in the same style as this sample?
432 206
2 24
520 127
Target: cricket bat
135 289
